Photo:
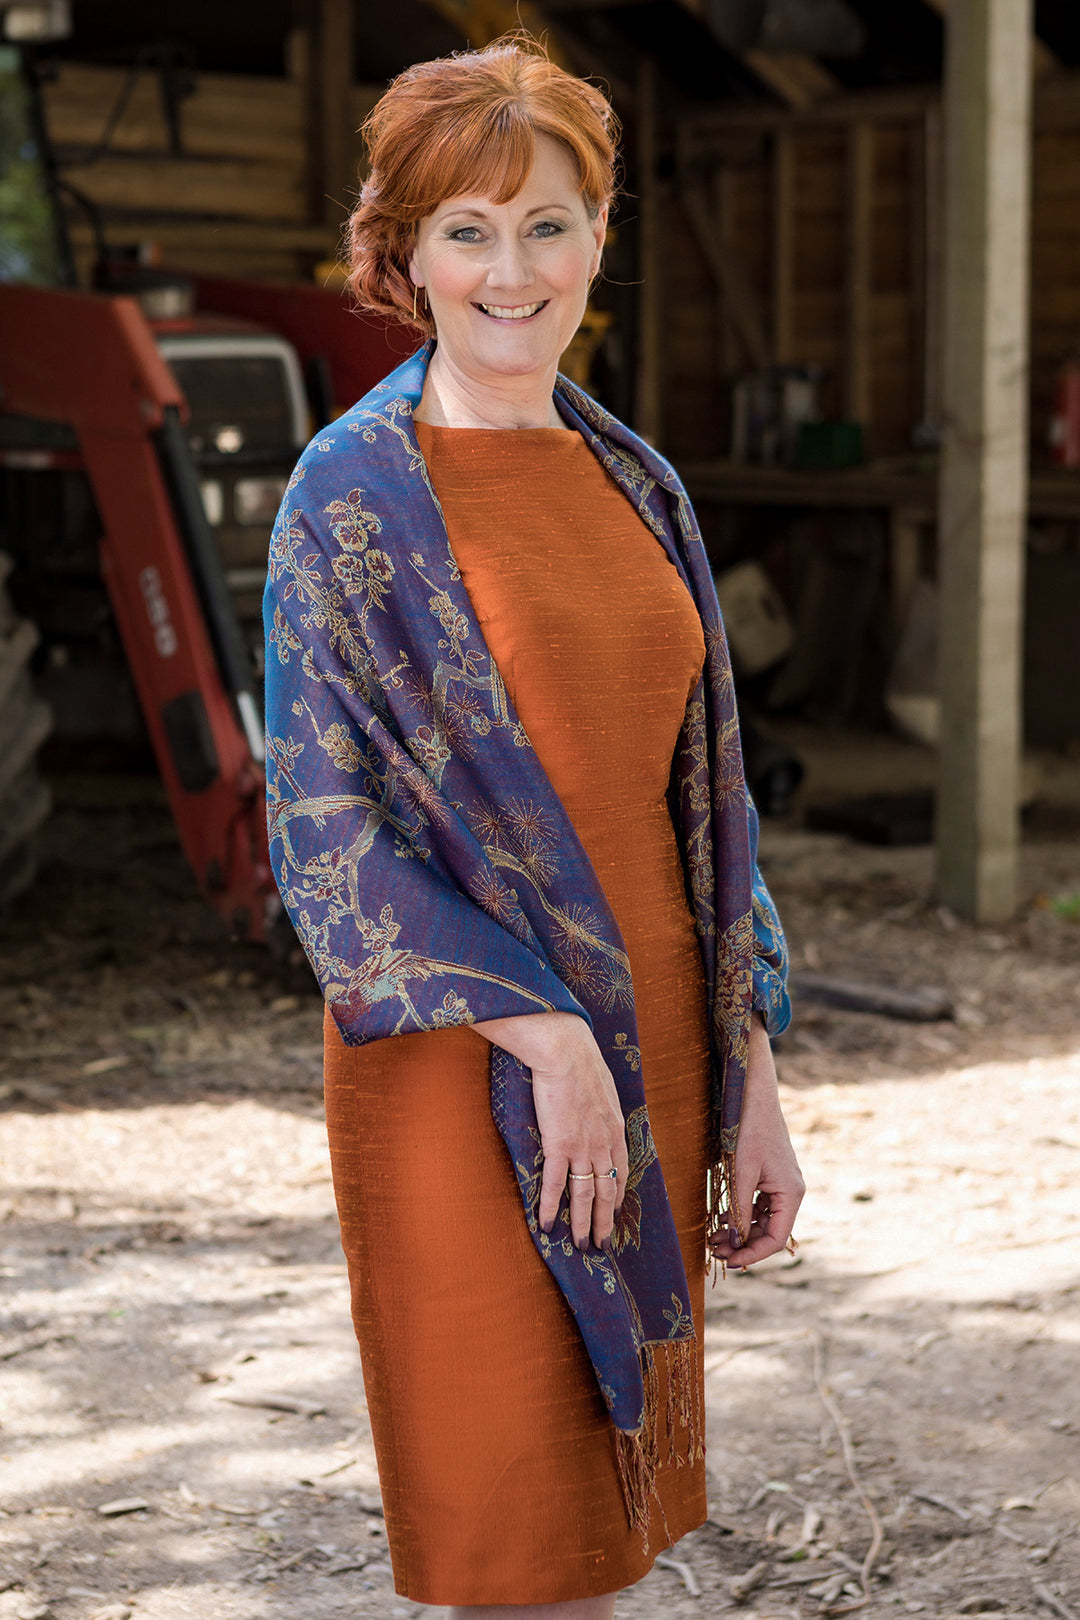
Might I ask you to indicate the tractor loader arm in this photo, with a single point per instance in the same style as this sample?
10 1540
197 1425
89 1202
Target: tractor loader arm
90 361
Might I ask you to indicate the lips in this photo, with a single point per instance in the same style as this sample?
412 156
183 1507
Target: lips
520 312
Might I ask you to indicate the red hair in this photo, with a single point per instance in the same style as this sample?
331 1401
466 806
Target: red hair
466 125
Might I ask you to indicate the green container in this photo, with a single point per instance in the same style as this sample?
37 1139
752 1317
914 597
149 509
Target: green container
828 445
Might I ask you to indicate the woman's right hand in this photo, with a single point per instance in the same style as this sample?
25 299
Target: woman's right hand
577 1109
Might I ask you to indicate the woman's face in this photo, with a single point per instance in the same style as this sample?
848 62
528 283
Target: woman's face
507 282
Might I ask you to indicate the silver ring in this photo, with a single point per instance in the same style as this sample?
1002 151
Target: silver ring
588 1176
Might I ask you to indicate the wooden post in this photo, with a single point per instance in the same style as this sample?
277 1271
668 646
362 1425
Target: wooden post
934 271
330 111
783 245
984 461
648 391
729 354
860 201
904 526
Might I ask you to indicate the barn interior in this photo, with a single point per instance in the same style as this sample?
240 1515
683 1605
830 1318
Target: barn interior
774 315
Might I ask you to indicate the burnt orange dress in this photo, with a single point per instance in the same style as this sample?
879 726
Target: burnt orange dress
496 1455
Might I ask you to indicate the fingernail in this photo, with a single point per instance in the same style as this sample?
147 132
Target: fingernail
583 1244
605 1244
545 1226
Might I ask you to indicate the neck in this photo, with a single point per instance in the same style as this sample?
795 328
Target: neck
451 398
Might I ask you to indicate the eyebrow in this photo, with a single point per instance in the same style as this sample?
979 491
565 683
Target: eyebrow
481 207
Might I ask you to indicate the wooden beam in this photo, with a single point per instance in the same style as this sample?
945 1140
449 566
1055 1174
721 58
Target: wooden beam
799 80
707 130
481 21
858 291
648 382
1043 60
984 453
702 127
783 246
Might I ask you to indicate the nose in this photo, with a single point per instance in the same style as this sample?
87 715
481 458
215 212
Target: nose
509 269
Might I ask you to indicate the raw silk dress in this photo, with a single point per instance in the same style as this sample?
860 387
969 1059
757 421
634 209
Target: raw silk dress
477 688
496 1453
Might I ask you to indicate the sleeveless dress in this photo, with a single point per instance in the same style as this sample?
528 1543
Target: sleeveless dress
496 1455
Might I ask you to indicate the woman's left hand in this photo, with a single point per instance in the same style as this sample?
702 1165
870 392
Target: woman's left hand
768 1183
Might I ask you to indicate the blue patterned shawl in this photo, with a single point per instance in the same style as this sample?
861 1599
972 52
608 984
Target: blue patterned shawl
431 872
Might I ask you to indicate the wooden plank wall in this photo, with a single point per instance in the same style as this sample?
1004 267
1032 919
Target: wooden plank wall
239 201
834 221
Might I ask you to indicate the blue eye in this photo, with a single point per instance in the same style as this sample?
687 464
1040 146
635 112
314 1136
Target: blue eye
549 227
465 233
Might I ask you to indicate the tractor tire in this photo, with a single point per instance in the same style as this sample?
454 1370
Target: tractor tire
25 722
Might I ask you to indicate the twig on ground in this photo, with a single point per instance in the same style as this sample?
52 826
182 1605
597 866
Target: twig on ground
840 1425
33 1341
359 1562
683 1571
340 1469
741 1586
1044 1595
941 1502
277 1403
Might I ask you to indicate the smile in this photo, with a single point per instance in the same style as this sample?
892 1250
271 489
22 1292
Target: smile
521 313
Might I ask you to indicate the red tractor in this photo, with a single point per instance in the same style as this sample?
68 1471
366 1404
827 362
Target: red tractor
147 430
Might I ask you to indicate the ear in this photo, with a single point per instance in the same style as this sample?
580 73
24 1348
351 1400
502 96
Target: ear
414 271
599 231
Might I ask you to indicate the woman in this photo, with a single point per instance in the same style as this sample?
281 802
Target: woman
508 819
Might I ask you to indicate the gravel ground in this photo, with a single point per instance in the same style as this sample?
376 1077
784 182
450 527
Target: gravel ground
184 1431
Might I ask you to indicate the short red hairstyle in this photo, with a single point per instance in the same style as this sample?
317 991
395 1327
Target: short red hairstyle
466 125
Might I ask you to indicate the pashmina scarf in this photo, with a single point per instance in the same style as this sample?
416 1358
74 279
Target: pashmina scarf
434 877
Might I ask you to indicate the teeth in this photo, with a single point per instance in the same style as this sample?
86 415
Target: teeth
521 313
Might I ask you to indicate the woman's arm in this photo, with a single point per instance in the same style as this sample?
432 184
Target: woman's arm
578 1112
768 1183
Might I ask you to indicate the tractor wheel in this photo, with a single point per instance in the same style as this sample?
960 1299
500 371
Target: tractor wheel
25 722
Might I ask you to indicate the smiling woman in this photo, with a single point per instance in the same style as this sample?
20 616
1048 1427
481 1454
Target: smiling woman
509 821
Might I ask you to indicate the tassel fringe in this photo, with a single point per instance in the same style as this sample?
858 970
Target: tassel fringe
640 1455
723 1201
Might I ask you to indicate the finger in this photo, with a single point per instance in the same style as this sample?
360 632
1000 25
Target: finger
551 1190
582 1195
603 1211
621 1160
767 1233
777 1217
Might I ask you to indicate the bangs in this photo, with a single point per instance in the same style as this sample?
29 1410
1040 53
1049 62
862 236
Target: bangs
486 151
483 152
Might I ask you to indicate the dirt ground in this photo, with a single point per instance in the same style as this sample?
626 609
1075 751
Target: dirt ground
178 1343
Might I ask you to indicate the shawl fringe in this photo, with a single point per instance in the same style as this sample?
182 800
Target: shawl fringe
641 1455
723 1200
